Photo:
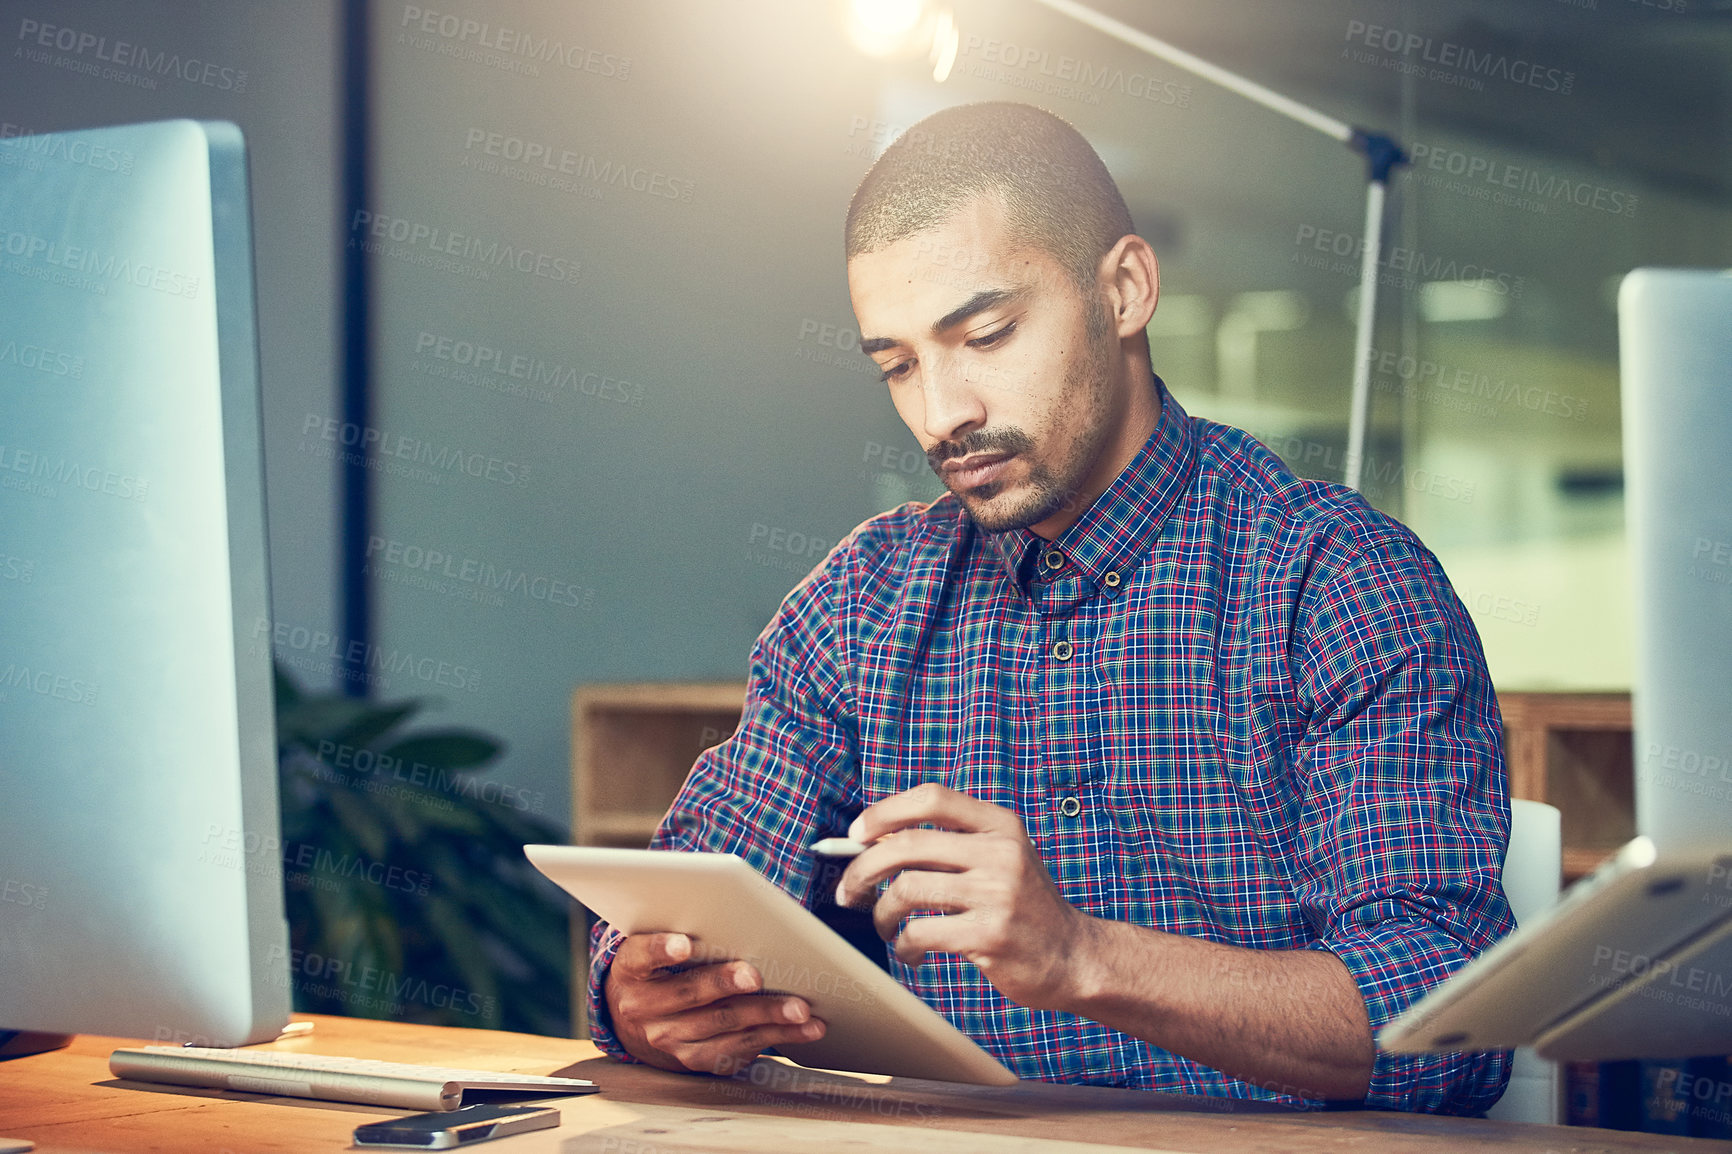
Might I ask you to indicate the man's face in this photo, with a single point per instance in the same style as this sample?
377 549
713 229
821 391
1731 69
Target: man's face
1005 371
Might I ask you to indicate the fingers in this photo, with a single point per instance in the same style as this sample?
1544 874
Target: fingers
911 849
935 935
640 999
738 1015
708 1018
931 804
642 955
945 893
956 816
720 1037
729 1053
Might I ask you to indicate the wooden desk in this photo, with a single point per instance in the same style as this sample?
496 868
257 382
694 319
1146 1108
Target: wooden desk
66 1101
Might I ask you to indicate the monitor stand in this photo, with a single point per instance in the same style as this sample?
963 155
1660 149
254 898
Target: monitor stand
22 1043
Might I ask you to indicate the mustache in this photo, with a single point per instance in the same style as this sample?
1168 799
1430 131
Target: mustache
1009 441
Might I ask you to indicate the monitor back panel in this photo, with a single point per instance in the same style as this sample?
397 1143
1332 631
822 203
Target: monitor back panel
138 833
1675 335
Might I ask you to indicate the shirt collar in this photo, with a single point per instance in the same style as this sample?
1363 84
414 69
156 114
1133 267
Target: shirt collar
1106 542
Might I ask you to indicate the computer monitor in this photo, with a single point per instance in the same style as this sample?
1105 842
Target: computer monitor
1633 963
140 876
1675 337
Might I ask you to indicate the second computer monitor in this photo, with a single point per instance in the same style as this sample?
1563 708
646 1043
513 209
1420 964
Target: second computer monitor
1675 333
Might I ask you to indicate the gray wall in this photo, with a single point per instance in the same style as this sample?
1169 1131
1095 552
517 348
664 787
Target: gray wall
685 501
664 413
748 436
271 68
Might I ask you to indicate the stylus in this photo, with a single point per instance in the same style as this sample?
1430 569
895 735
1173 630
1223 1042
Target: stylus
838 847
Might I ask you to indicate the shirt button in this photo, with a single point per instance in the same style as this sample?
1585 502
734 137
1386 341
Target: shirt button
1112 580
1069 806
1053 559
1062 651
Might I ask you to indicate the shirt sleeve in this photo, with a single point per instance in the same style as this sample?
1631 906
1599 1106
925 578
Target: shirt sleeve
786 777
1406 813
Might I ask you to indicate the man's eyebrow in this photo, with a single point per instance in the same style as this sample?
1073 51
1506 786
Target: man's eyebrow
978 303
973 306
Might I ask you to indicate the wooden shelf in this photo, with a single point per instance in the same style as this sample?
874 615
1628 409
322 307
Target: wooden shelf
1580 861
628 830
632 746
1574 751
659 696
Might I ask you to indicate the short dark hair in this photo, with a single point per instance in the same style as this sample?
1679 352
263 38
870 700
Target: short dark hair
1056 192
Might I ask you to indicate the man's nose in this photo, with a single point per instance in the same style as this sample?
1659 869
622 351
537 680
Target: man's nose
955 402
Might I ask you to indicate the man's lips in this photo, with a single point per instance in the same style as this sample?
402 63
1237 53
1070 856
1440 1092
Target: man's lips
975 469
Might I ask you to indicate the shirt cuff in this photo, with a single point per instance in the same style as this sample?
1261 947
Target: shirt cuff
1394 962
604 943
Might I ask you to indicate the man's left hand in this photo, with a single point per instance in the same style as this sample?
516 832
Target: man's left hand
996 902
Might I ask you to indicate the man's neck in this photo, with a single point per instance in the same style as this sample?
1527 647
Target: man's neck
1141 415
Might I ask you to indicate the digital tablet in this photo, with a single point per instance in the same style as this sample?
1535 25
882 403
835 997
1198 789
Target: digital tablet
730 911
1632 963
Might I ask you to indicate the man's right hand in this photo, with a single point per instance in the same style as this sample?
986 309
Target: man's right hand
709 1019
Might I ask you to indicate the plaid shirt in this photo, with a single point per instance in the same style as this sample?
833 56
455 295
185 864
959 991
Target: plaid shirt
1226 703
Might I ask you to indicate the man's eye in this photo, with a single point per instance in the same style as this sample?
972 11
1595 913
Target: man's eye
898 370
992 338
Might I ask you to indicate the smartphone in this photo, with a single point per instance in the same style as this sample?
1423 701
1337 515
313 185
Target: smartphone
459 1127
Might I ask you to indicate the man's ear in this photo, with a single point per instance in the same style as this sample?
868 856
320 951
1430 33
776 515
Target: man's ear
1131 277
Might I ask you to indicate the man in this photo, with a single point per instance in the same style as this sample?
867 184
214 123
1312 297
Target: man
1178 772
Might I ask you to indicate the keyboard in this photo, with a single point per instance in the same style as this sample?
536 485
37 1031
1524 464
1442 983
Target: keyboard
364 1080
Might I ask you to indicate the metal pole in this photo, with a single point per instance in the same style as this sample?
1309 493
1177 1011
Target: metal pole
355 480
1382 154
1359 413
1250 89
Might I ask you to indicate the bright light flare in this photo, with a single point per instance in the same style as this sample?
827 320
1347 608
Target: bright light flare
890 29
946 38
886 28
888 18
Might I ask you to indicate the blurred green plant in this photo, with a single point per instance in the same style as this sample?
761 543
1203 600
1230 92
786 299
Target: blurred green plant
408 894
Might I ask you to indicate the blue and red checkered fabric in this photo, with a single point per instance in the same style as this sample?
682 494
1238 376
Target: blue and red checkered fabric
1226 702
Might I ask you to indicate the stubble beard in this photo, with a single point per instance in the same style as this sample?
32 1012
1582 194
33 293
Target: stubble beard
1049 488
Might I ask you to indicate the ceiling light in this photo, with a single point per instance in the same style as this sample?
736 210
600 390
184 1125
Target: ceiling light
1447 301
891 29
